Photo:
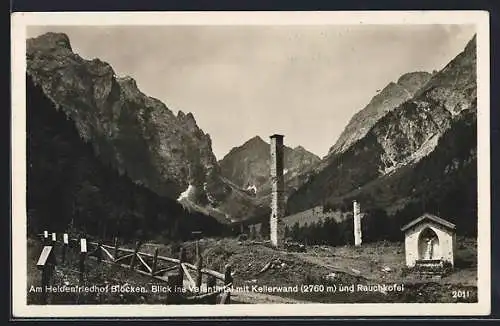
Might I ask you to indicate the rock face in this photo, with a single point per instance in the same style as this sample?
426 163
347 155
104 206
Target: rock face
247 166
401 145
135 133
388 99
68 186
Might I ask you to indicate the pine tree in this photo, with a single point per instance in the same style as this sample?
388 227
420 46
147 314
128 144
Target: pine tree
295 234
287 232
251 232
265 229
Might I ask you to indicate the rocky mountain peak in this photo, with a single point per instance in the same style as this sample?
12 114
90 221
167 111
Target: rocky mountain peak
189 121
133 132
299 149
127 80
256 140
404 149
412 81
454 87
248 164
392 95
471 45
49 41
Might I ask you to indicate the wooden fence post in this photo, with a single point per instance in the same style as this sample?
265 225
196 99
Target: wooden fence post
45 283
199 265
64 247
116 249
182 257
174 281
134 256
228 279
83 254
155 263
211 283
46 263
53 244
98 252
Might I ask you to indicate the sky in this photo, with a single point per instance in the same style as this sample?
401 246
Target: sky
304 82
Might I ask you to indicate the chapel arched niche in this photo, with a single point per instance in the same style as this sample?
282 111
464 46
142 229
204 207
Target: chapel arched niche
428 245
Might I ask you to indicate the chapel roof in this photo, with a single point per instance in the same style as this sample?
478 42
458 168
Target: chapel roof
428 217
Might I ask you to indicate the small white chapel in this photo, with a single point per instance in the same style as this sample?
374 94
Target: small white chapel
429 239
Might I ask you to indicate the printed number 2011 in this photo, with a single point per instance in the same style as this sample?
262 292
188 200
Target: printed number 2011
460 294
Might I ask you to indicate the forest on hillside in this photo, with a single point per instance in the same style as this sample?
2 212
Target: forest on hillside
444 183
376 226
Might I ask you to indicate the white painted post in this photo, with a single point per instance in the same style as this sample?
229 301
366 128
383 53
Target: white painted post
83 253
54 239
64 247
357 224
46 238
83 245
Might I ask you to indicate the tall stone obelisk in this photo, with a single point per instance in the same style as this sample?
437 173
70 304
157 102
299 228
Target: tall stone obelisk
357 224
277 194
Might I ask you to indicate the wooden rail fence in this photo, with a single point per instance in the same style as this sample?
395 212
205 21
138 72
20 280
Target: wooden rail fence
177 272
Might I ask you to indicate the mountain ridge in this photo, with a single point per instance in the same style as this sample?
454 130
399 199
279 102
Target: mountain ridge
130 130
69 188
247 165
171 155
404 136
392 95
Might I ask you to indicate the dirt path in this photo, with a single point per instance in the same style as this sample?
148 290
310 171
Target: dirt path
320 261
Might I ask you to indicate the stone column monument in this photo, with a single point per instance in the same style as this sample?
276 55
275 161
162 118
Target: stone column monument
277 194
357 224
